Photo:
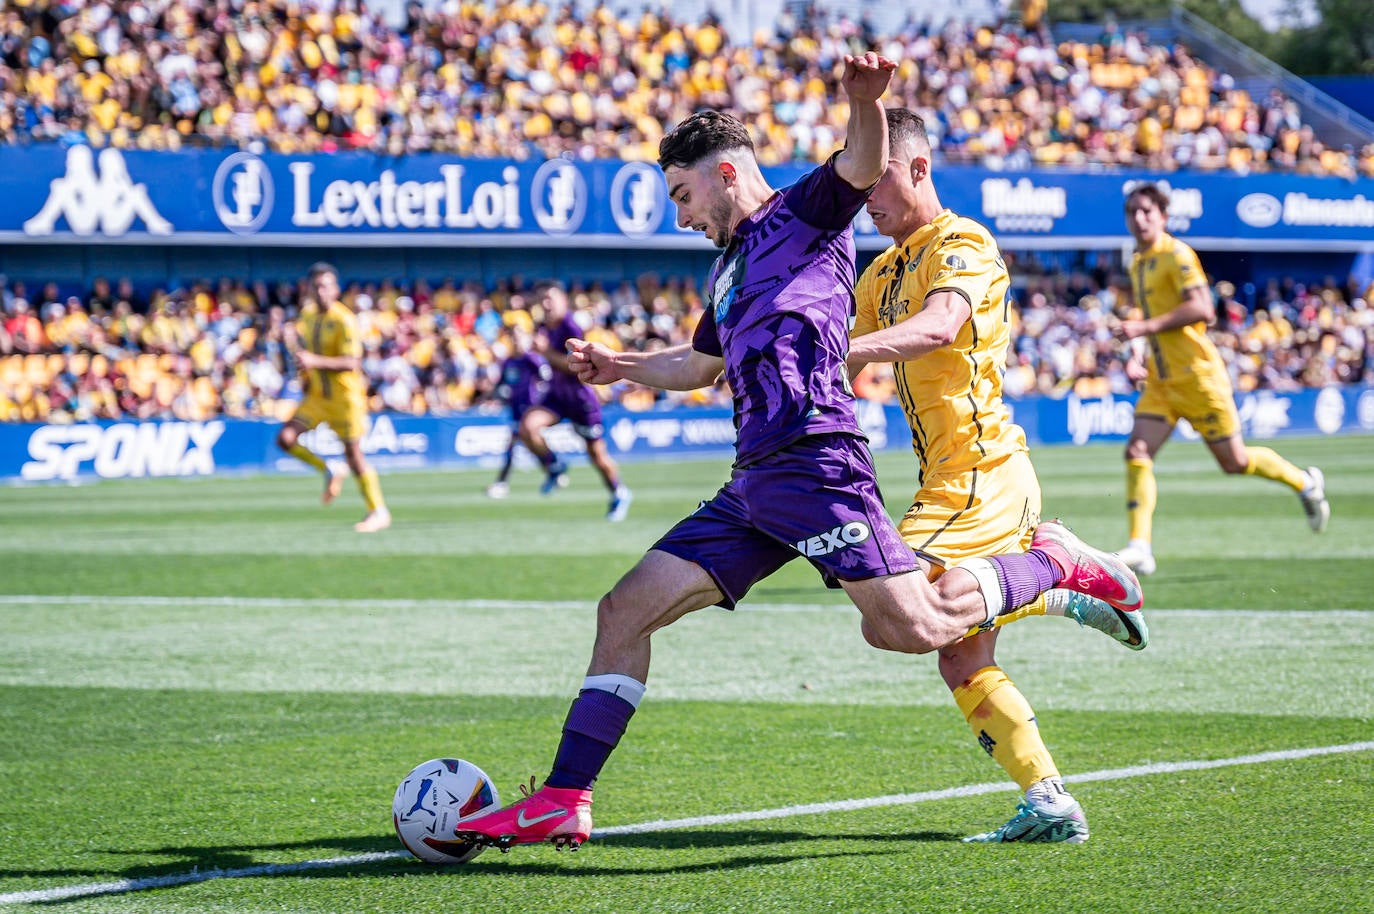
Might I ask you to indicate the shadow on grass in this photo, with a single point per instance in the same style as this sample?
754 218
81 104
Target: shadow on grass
190 864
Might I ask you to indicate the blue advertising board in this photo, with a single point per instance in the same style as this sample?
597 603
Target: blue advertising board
80 195
122 450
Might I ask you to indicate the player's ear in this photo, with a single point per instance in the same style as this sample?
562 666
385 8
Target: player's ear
728 174
920 167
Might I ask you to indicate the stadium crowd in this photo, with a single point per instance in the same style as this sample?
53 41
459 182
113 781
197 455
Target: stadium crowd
225 348
524 79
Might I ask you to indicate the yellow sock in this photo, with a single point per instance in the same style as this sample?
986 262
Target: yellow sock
1034 608
372 490
1005 725
304 454
1267 463
1140 497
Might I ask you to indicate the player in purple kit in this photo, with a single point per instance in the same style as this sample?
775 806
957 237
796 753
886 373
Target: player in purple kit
525 380
779 301
568 398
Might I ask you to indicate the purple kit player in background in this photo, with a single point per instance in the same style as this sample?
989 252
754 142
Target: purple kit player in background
777 320
525 380
568 398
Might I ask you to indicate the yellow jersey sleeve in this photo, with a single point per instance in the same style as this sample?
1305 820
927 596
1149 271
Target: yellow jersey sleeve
866 299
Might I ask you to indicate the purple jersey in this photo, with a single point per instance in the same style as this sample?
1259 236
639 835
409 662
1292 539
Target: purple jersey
524 381
558 336
779 300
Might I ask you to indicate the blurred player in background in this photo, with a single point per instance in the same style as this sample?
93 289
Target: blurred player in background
935 304
525 380
330 356
1184 378
570 399
776 323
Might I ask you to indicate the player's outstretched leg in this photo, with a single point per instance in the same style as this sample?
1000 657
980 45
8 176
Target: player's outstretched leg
1048 814
561 815
1314 502
1128 628
1087 570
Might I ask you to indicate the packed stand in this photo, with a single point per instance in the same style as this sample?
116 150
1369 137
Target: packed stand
225 348
522 80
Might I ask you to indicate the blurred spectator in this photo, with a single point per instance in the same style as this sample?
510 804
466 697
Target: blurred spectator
524 79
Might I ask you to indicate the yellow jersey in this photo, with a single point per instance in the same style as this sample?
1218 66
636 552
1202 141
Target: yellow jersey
952 396
333 332
1160 277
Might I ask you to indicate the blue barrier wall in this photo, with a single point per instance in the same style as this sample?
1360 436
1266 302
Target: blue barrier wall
120 450
201 197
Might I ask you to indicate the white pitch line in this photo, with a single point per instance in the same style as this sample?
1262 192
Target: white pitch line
901 799
402 603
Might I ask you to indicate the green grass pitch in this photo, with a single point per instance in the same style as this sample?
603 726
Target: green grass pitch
210 688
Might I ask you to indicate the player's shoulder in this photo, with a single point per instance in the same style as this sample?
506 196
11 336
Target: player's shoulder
966 230
1179 250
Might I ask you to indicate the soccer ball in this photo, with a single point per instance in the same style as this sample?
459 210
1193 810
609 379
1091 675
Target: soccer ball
430 801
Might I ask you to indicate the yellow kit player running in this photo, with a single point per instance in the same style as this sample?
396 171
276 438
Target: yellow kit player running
330 355
935 305
1185 378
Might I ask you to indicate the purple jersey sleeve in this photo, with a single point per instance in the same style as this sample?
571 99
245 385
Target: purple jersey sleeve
823 199
704 338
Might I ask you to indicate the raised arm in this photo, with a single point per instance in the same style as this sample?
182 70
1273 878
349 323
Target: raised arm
864 157
675 368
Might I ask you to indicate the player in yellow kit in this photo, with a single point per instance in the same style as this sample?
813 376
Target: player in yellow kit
330 356
935 305
1184 378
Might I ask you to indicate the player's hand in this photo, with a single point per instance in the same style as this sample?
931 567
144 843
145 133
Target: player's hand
866 77
1136 370
307 359
593 363
1132 329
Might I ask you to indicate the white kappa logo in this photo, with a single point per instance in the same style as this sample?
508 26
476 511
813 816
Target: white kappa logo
109 200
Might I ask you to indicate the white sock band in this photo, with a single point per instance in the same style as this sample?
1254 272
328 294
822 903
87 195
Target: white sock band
989 583
619 685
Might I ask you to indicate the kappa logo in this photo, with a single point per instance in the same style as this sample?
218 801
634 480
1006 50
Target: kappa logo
558 195
107 200
834 539
243 193
637 199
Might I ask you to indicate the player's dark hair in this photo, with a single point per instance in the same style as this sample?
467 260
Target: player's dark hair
1151 191
905 126
319 268
704 133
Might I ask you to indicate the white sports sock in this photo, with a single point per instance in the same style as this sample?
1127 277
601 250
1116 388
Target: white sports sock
1049 795
619 685
989 583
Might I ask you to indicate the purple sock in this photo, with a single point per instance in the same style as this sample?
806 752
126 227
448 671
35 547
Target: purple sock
1025 577
596 721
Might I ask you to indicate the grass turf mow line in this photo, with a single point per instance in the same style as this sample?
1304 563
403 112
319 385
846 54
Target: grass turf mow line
125 886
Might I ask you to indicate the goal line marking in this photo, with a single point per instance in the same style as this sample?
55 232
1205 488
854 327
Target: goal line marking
122 886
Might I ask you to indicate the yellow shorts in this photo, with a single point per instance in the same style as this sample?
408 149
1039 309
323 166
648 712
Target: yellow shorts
1205 400
347 418
985 511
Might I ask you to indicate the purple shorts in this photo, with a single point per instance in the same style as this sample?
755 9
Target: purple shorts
577 404
818 498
